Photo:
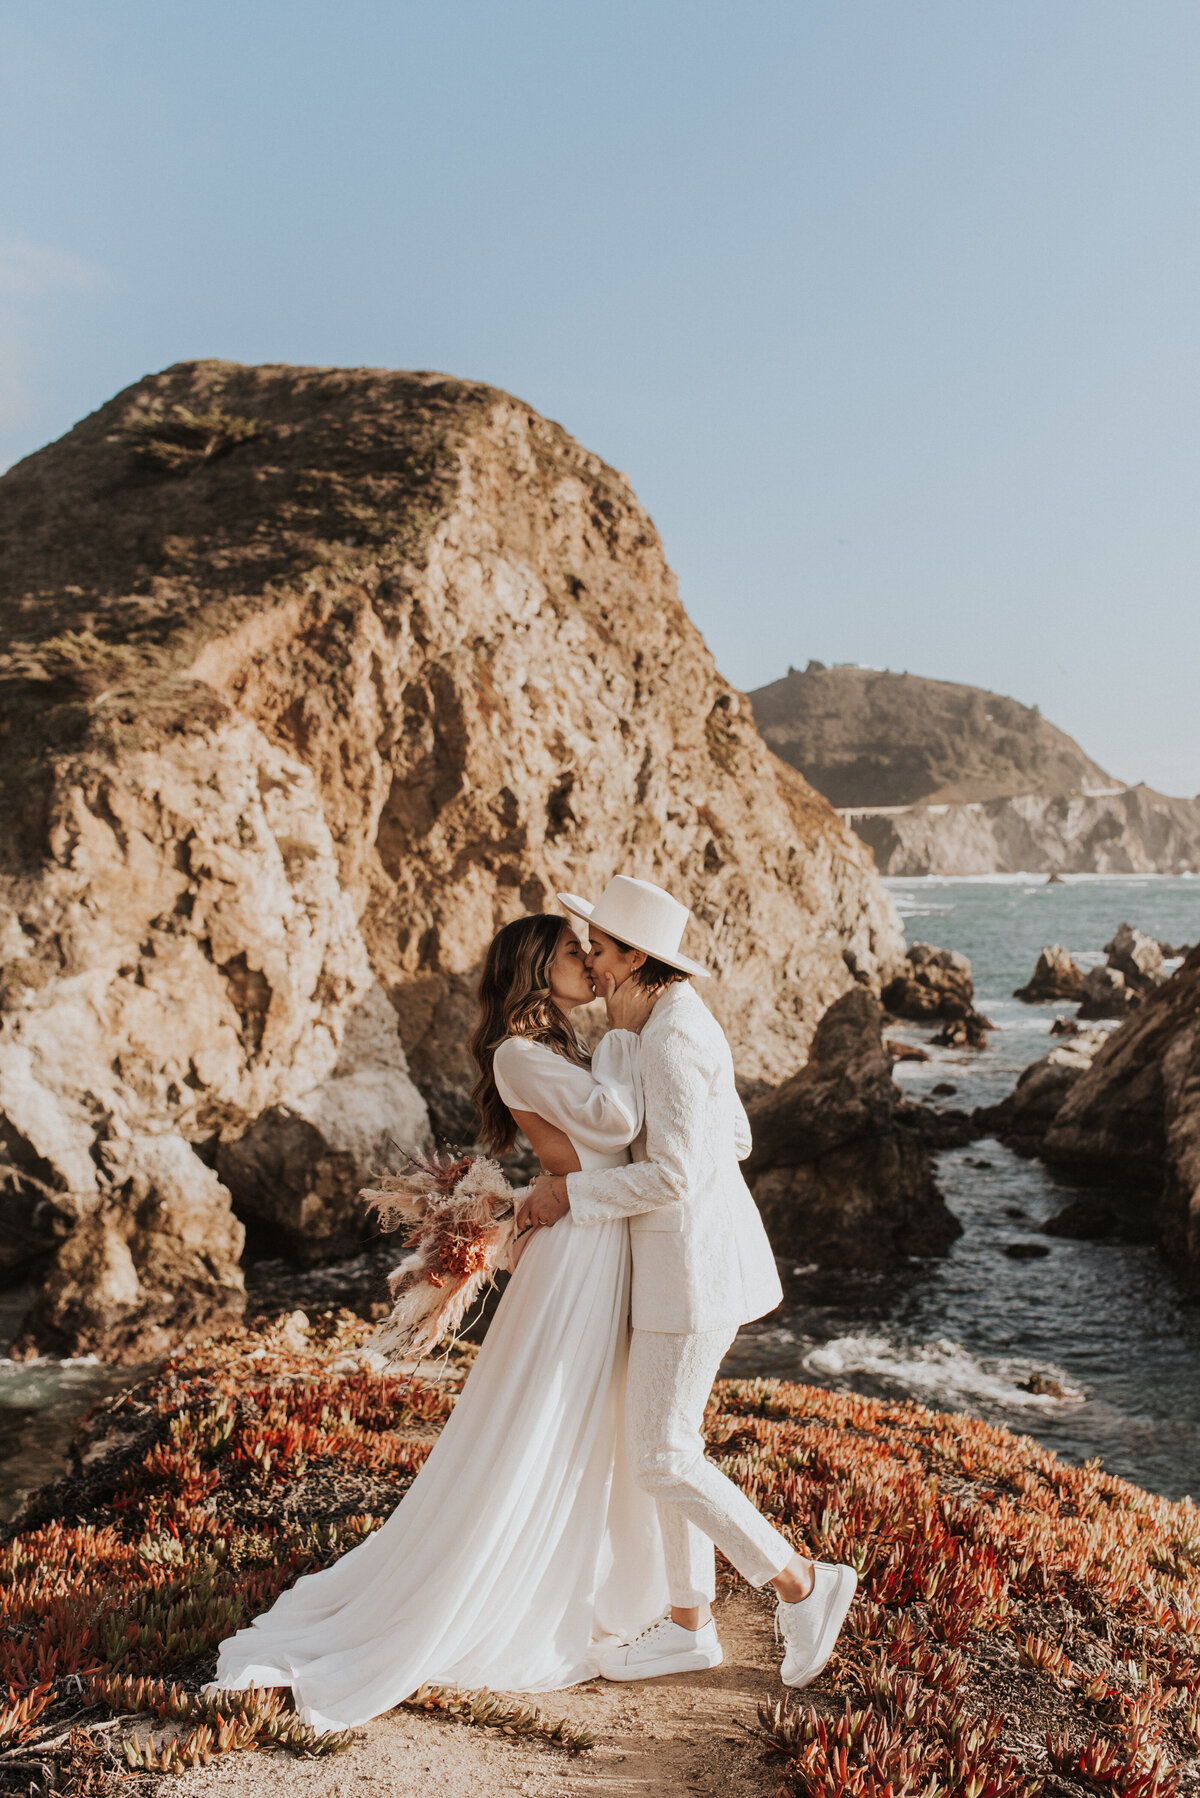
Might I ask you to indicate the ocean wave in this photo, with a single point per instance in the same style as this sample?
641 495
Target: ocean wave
946 1373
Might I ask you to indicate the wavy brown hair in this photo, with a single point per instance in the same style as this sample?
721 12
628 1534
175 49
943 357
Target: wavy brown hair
515 1000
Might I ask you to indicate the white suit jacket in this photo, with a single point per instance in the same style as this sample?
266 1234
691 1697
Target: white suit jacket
701 1258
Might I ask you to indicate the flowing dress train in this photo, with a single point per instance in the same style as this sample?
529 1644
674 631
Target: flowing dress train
523 1539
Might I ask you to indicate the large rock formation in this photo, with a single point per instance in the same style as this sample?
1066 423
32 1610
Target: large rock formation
941 778
156 1263
839 1180
1134 1116
309 679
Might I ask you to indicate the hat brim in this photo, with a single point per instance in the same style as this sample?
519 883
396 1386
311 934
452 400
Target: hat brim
682 963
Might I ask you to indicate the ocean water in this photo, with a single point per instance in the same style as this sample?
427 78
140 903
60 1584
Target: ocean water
1107 1323
39 1403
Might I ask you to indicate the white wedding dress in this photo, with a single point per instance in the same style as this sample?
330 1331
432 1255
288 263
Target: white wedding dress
523 1540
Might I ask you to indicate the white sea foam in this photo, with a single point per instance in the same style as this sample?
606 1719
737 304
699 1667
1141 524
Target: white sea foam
1030 877
944 1373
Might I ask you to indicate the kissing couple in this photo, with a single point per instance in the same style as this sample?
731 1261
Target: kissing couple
565 1520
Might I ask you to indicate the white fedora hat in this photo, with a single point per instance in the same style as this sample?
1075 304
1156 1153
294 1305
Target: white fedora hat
640 914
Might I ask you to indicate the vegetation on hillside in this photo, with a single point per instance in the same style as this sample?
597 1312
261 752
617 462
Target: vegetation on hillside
1021 1624
867 736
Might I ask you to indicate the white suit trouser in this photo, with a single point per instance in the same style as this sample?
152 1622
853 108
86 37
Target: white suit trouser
670 1377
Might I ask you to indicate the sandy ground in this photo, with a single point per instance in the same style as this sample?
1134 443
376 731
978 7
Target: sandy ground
667 1738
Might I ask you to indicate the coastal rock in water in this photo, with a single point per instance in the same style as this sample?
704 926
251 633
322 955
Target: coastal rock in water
932 983
1137 957
1087 1219
1135 1115
1055 977
297 706
152 1262
968 1032
937 983
838 1179
1105 995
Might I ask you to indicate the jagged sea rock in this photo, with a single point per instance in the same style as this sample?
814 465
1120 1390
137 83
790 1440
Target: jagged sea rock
1137 957
1086 1219
1055 976
1134 1116
34 1219
311 679
183 959
837 1177
1106 995
154 1260
936 983
932 983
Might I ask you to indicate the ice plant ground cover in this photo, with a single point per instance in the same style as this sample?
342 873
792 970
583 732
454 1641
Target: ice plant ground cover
1022 1625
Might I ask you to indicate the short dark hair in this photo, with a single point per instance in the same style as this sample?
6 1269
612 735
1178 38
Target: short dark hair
652 973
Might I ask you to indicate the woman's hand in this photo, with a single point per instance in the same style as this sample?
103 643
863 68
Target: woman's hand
628 1005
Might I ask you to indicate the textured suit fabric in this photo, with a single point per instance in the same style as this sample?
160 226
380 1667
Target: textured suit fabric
668 1382
701 1258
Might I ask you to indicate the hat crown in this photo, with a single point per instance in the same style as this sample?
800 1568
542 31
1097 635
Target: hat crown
638 912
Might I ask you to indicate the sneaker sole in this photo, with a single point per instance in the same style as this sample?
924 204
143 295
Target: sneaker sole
831 1629
696 1660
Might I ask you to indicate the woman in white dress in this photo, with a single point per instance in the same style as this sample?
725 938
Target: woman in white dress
523 1540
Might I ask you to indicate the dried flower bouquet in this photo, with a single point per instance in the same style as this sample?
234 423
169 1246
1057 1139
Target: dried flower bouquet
459 1216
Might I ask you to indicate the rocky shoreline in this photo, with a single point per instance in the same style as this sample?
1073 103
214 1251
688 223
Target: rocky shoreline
1123 1106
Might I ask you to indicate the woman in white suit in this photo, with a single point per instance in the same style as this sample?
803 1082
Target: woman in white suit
702 1266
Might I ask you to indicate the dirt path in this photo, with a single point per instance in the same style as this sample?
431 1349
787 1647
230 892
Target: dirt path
668 1738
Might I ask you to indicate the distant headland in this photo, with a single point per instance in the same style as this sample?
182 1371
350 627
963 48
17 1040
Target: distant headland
942 778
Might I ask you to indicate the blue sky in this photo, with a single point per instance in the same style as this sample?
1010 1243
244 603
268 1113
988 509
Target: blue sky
889 311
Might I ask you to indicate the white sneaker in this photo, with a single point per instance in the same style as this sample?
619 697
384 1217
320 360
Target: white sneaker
810 1627
663 1647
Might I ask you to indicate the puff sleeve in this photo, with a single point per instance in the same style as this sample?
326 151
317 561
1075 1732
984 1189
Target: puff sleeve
599 1108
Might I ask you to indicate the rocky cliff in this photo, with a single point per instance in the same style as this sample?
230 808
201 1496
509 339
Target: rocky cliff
942 778
1135 831
309 680
1134 1115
